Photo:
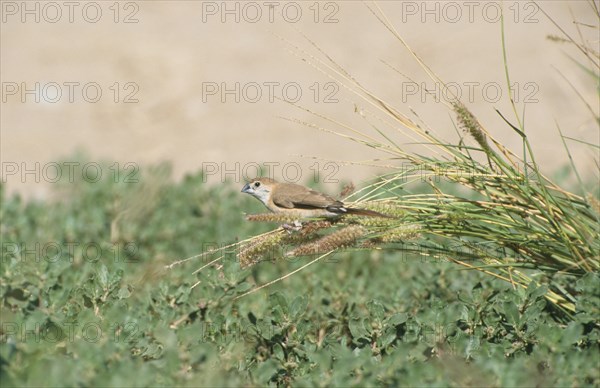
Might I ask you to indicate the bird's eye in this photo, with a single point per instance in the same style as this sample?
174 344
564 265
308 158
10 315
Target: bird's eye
256 184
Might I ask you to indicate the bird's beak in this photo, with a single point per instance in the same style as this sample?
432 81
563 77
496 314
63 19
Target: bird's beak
246 188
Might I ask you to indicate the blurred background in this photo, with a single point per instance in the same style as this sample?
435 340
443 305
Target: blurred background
207 84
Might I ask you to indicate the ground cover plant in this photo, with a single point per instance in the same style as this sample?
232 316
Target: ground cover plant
358 318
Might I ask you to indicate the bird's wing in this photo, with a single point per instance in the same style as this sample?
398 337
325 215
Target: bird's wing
292 196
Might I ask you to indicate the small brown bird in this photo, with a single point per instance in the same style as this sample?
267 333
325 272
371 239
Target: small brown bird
299 200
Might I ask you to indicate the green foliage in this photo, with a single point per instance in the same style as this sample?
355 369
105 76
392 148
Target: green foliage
86 300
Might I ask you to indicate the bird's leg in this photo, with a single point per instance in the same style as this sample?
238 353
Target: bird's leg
293 227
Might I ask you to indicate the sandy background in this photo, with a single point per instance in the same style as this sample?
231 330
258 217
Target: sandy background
171 50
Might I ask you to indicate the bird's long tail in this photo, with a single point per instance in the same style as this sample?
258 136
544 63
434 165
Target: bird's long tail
365 212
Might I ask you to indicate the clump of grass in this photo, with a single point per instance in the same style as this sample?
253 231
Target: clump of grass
510 220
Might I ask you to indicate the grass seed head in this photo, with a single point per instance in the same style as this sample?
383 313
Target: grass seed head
256 249
402 233
272 217
314 226
389 208
340 238
469 123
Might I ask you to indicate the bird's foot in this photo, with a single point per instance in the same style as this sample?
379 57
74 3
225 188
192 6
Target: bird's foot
293 227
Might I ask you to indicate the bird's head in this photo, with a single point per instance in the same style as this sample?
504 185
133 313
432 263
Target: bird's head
260 188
